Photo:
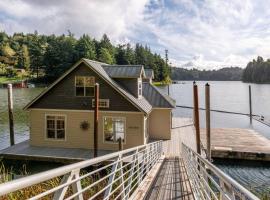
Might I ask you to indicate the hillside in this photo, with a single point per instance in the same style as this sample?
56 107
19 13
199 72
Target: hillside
224 74
46 57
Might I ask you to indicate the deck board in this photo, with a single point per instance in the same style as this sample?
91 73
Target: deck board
172 181
238 143
24 151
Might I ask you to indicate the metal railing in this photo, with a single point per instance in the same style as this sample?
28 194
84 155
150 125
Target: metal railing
113 176
209 182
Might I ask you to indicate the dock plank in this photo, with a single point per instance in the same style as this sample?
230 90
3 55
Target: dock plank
238 144
23 151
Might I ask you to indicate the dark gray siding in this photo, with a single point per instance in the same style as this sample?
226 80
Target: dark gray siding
130 84
62 95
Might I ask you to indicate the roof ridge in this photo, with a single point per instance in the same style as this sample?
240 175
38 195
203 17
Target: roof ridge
95 61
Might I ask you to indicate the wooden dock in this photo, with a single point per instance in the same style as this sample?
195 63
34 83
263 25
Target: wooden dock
23 151
170 181
236 143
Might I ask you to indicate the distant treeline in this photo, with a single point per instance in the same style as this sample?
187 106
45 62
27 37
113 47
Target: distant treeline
257 71
224 74
49 56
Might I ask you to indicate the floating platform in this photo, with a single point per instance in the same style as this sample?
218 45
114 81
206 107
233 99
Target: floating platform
23 151
236 143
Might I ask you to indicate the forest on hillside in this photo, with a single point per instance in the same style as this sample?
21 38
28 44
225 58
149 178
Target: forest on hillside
257 71
46 57
224 74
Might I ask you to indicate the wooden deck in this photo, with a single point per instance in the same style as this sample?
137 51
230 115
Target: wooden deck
171 180
235 143
23 151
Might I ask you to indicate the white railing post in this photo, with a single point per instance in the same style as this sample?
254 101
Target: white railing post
76 187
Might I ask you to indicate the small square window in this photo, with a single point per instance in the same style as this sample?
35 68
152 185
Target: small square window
89 91
79 91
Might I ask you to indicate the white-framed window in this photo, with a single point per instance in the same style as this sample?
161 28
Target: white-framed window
103 103
114 128
85 86
55 127
139 87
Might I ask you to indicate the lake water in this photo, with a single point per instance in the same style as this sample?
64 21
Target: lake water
230 96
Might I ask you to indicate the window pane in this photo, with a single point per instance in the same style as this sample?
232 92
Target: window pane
60 124
119 130
50 124
79 91
89 81
90 91
80 81
108 129
60 134
50 133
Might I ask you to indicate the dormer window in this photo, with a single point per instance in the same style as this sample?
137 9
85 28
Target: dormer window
139 88
85 86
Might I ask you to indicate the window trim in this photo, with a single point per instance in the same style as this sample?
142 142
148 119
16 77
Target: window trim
75 86
45 127
107 101
125 130
140 89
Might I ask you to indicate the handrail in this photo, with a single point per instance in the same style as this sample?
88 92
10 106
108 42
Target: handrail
133 162
208 182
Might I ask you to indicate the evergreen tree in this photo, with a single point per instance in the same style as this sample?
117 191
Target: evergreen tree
105 56
85 48
24 58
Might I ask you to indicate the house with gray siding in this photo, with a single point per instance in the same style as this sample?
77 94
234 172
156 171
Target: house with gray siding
130 107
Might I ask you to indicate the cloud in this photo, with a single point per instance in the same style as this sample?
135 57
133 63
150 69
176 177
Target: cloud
95 17
230 32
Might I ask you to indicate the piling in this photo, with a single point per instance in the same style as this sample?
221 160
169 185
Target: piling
120 144
96 119
10 114
250 104
207 120
196 118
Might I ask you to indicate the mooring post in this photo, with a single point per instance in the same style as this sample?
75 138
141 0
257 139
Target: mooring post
207 120
10 114
120 144
197 118
168 89
96 119
250 104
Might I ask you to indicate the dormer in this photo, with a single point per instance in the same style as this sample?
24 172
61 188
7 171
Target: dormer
149 76
129 77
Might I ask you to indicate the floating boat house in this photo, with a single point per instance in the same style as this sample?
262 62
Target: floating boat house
130 107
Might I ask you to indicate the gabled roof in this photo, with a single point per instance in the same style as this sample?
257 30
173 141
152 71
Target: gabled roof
156 98
149 73
124 71
141 103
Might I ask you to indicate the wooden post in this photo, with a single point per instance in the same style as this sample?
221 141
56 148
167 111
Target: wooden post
168 89
120 144
96 120
250 104
207 120
10 114
196 117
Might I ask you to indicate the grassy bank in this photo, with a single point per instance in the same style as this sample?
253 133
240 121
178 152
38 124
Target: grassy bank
4 79
161 83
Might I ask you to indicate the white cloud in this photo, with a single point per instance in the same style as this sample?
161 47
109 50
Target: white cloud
230 32
95 17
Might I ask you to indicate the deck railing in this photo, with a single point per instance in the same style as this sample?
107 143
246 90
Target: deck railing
113 176
210 183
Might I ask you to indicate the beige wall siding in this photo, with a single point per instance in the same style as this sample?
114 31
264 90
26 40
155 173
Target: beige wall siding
78 138
160 124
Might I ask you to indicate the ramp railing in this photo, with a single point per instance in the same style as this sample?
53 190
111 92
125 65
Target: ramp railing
210 183
113 176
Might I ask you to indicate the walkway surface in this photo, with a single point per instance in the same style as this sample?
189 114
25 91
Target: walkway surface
63 155
171 181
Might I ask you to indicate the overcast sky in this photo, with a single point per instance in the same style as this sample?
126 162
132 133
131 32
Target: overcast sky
229 32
